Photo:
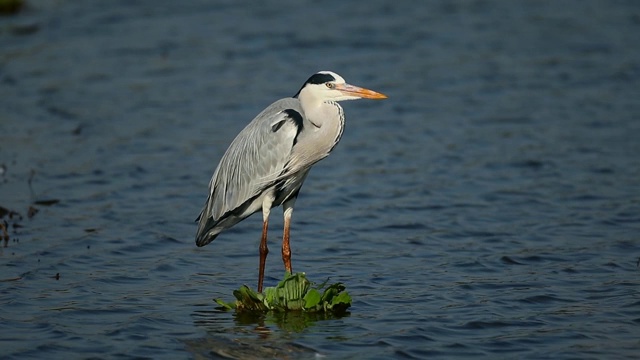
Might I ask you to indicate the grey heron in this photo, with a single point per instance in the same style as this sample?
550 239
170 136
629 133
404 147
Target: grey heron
270 158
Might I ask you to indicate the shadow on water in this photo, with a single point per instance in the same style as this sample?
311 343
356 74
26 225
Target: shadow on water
250 335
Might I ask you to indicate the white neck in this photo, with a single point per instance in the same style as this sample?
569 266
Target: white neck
314 108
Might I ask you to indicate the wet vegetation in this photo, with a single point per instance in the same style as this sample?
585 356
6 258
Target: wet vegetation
293 293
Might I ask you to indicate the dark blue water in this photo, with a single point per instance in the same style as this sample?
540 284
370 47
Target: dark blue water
489 208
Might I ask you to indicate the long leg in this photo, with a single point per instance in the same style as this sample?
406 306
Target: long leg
286 248
264 250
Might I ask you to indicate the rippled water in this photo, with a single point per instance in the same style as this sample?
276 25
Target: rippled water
489 208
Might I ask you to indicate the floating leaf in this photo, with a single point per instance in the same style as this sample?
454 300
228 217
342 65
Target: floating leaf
312 299
249 299
226 306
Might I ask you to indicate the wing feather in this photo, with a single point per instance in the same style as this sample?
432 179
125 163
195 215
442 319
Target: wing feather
253 162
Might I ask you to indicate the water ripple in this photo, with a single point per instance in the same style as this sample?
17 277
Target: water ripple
489 208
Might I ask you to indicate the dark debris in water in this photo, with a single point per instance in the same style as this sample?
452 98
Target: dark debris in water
9 213
47 202
77 130
12 219
11 7
4 234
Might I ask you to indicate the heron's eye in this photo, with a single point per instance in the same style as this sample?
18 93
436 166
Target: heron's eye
331 85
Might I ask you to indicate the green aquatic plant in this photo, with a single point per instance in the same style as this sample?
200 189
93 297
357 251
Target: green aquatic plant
293 293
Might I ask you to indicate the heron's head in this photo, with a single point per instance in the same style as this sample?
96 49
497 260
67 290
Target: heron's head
329 86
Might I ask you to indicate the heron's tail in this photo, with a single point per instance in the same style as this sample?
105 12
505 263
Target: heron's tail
209 228
204 239
207 231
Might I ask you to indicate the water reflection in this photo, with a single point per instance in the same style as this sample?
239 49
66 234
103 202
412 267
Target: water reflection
293 321
224 348
263 324
254 335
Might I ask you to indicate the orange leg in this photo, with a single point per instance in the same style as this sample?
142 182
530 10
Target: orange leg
266 208
286 248
264 250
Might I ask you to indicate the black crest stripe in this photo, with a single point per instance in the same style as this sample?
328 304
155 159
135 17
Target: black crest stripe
315 79
320 78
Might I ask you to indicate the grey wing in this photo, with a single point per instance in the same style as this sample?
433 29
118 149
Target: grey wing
253 161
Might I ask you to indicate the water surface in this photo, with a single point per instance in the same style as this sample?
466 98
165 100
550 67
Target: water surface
489 208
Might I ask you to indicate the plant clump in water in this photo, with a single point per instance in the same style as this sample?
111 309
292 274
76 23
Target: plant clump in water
294 293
